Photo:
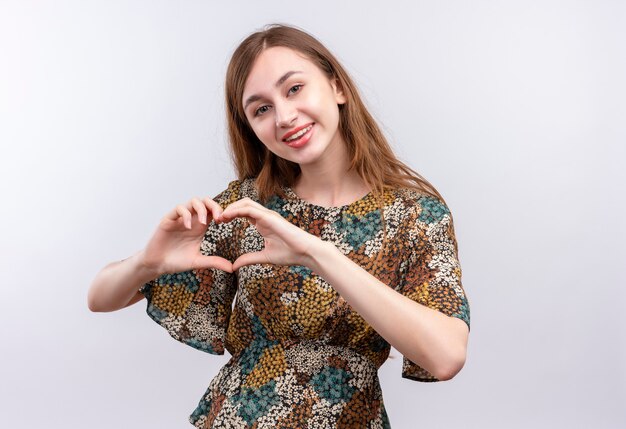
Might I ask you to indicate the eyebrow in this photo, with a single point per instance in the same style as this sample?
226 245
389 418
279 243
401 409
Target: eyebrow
278 83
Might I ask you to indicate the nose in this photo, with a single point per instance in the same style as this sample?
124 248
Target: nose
286 115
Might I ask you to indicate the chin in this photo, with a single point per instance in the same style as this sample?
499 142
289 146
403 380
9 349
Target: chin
306 155
305 159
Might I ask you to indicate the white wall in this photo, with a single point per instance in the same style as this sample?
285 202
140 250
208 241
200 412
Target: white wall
111 114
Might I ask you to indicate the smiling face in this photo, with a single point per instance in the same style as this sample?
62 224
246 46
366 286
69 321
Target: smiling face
292 107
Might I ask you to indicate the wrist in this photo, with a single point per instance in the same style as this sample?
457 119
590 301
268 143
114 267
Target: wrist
144 268
317 253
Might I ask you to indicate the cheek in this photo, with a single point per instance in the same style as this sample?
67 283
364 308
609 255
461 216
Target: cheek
324 104
330 114
264 130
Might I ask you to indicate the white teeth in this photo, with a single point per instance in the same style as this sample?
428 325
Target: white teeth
299 134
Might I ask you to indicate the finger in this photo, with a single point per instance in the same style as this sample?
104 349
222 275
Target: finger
200 208
215 209
185 214
180 212
213 262
251 259
248 211
244 202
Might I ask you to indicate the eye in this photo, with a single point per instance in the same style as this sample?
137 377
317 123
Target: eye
261 110
295 89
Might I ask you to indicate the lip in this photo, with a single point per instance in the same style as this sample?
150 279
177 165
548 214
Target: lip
295 130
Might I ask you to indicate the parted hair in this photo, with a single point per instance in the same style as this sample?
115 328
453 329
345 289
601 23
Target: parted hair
370 154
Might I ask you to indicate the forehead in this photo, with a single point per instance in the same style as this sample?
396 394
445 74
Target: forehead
272 64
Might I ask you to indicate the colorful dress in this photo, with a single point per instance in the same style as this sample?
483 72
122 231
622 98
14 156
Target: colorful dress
301 356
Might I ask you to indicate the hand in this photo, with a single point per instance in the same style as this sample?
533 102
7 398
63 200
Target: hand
285 243
175 245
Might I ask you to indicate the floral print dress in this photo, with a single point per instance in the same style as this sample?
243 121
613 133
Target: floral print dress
301 356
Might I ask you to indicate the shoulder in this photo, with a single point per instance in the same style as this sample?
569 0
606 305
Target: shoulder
236 190
421 207
427 223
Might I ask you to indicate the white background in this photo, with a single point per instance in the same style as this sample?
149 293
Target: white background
111 113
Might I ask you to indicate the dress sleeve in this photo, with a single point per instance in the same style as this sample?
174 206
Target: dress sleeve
194 306
433 275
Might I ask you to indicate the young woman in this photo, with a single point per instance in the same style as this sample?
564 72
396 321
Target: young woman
334 249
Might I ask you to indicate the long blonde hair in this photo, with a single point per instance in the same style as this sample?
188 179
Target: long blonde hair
370 154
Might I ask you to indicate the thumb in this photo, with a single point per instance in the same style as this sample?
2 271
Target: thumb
250 259
213 262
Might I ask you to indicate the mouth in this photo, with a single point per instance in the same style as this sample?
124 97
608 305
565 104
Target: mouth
298 136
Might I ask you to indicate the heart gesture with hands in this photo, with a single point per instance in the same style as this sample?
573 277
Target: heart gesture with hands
175 245
285 243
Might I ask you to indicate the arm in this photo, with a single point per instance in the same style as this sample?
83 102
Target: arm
436 342
117 284
174 247
427 337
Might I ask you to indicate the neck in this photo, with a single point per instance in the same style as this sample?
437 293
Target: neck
330 184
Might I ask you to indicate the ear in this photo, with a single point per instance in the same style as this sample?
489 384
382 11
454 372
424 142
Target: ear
340 97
